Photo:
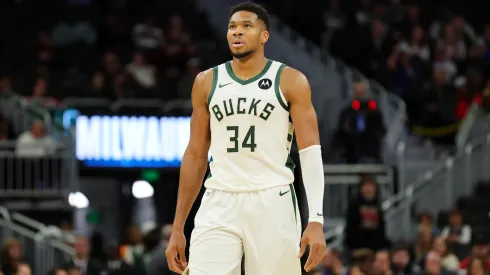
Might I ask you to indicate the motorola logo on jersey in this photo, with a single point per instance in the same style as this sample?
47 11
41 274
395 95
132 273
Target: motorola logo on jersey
265 83
241 106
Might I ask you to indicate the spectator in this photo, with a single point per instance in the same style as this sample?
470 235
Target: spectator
475 267
81 260
132 253
362 261
332 263
456 231
381 264
10 256
479 250
426 222
22 269
449 260
143 75
147 36
99 87
432 265
116 266
365 226
57 271
155 245
423 244
35 143
74 270
400 261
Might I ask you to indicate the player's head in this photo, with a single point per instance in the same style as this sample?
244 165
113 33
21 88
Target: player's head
248 29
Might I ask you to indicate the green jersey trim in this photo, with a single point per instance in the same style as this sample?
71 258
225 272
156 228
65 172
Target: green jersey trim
248 81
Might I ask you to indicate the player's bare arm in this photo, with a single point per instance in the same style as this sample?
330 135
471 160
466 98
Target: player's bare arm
297 92
192 170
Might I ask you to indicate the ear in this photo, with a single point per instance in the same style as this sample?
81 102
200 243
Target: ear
265 37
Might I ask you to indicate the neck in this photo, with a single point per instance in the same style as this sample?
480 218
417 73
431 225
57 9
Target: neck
250 66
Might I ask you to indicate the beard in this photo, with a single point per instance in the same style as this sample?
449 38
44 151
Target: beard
242 55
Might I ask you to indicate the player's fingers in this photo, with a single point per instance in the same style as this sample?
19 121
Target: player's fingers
173 261
182 258
309 262
302 249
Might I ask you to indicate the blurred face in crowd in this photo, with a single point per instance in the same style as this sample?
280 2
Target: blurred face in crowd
81 248
417 34
439 246
23 269
5 84
355 271
458 23
378 28
359 90
135 236
426 220
368 190
450 34
74 271
479 251
400 258
246 34
37 129
433 263
138 59
98 80
61 272
476 267
40 88
455 220
440 77
382 262
425 237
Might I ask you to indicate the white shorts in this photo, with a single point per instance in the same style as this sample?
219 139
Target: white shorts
263 226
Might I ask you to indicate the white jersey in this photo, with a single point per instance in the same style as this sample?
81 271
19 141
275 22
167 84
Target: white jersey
251 131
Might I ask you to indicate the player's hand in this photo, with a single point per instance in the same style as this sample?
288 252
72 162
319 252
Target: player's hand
314 237
175 252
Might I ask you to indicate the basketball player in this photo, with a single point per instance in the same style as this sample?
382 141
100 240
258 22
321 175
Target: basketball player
244 112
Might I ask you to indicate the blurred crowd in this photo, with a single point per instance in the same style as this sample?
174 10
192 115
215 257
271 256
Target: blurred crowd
438 64
142 253
110 49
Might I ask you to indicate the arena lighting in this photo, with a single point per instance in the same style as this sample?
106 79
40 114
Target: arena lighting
78 200
142 189
356 105
372 105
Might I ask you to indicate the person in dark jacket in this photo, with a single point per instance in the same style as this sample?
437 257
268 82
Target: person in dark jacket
365 224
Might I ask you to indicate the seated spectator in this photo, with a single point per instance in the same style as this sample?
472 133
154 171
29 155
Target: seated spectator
365 226
11 255
456 231
22 269
132 253
57 271
143 75
475 267
332 263
81 260
99 86
381 264
35 143
362 262
400 261
433 265
426 222
147 36
449 260
423 243
479 250
73 270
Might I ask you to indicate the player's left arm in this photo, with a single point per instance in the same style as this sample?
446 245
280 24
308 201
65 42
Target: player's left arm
297 92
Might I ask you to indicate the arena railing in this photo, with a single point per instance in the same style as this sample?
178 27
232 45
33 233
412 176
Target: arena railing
44 254
435 191
23 176
476 123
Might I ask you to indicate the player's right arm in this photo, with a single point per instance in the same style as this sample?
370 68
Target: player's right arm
192 170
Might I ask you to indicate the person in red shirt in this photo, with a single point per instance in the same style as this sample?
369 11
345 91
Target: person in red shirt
479 250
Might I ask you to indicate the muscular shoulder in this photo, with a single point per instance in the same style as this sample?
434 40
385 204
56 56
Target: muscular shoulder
293 83
203 84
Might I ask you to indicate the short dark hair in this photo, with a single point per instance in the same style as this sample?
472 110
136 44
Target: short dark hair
260 11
